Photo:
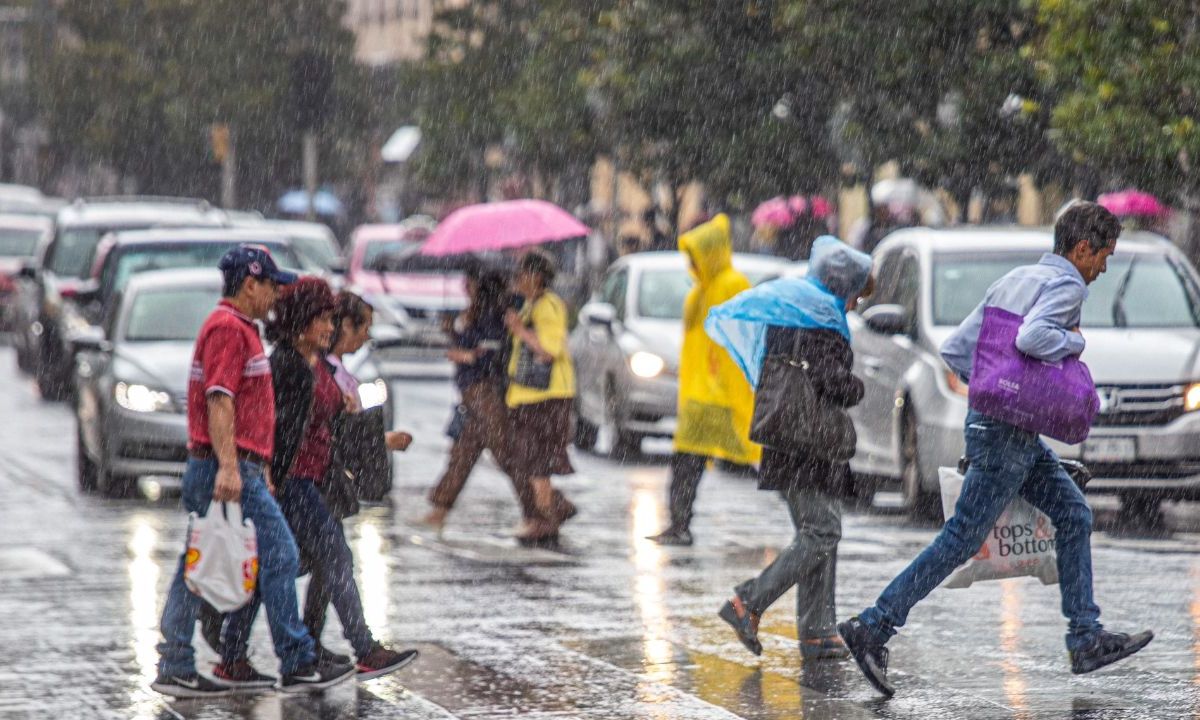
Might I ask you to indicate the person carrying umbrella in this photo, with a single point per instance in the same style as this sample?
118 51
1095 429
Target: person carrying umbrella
715 401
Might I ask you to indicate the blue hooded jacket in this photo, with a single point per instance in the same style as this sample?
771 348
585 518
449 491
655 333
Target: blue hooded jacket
836 273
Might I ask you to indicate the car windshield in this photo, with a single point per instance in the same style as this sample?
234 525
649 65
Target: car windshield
18 243
318 250
74 250
386 247
143 258
169 314
1142 290
661 292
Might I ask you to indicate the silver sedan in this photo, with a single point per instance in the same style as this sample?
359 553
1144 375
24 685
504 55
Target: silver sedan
627 343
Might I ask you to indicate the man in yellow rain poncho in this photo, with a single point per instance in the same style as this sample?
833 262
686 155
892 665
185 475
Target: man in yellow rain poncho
715 400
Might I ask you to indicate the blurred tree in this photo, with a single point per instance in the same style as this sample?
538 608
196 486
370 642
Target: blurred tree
509 79
942 86
1127 73
695 85
137 85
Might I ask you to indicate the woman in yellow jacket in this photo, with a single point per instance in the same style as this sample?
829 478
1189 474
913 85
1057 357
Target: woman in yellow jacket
541 392
715 400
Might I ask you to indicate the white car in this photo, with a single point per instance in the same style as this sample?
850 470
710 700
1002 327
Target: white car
627 343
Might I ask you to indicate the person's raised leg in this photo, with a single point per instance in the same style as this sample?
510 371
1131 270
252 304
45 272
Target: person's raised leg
1051 490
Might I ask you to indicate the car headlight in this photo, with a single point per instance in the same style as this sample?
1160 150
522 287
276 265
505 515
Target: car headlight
646 365
1191 398
140 398
372 394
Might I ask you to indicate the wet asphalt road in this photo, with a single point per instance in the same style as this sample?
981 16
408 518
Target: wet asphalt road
611 626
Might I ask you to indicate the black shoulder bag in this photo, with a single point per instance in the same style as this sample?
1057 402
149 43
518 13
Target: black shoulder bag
791 417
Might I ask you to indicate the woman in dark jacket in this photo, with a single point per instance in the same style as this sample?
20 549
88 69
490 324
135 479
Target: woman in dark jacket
810 485
307 403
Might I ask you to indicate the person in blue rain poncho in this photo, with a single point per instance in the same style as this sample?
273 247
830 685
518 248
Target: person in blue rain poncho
804 318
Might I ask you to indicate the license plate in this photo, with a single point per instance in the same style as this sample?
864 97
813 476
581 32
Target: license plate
1110 450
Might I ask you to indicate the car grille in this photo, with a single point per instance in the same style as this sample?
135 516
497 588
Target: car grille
158 451
1138 405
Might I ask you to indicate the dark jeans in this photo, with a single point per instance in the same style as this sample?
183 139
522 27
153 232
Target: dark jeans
686 471
1005 462
278 562
323 546
809 563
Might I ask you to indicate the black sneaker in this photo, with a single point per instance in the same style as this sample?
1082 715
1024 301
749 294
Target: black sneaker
871 656
316 678
241 675
1106 648
189 686
744 622
671 536
329 657
382 660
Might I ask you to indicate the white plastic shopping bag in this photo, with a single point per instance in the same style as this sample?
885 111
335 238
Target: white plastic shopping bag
1021 543
222 556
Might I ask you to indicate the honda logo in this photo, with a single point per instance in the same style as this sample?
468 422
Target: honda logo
1110 399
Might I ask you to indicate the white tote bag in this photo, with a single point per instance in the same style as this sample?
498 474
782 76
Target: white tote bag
1021 543
222 556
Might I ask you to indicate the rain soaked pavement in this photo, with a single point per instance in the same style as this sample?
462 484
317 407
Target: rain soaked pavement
612 626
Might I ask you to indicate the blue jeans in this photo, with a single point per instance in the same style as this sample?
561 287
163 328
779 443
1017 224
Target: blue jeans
322 543
1005 461
278 561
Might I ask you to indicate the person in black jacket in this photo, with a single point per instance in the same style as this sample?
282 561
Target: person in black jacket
810 485
308 401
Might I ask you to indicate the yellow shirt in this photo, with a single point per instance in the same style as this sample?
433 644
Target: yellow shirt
548 317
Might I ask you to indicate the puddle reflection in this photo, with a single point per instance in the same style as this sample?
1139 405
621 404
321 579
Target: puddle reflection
1010 639
143 596
649 590
373 573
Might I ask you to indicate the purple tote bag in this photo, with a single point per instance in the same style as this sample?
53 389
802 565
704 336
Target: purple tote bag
1055 399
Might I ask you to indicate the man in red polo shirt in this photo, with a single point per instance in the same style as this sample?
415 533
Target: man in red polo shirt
231 428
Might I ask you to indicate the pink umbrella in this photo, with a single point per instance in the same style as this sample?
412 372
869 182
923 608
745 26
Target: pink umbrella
1132 203
502 225
773 213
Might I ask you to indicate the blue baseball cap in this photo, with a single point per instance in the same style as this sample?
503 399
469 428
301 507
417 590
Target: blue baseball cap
254 261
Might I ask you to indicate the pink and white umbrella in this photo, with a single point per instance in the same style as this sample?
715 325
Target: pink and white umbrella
501 226
1132 203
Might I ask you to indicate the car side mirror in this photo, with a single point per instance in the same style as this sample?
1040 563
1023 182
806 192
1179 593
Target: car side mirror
598 314
92 343
27 271
888 319
337 266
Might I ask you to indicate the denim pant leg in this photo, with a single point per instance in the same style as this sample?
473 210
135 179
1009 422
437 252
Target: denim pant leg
809 563
323 542
176 655
1001 457
278 563
1051 490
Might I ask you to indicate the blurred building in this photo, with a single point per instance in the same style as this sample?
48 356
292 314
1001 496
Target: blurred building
389 31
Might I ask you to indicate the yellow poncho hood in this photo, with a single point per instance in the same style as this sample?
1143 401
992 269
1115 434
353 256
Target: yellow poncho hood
715 400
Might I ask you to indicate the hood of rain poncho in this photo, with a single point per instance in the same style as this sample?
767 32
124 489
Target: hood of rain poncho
836 272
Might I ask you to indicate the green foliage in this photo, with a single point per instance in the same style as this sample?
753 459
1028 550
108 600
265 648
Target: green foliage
138 83
1128 74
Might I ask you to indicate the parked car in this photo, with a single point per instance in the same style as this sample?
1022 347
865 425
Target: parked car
121 255
63 263
131 400
314 241
1142 324
411 294
627 343
20 237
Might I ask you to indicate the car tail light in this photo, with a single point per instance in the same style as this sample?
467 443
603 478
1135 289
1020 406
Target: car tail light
7 284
